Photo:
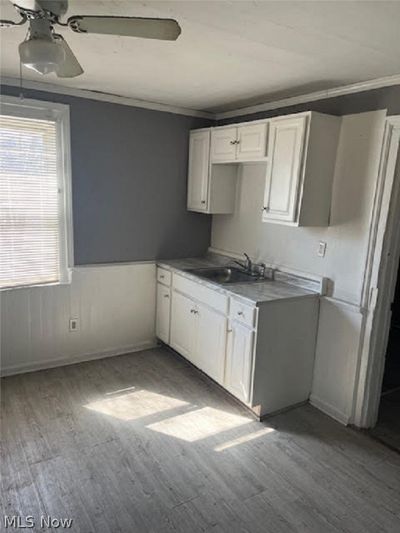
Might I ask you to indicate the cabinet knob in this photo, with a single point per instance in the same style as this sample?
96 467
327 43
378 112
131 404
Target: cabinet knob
203 201
240 313
162 276
166 295
232 142
237 141
266 209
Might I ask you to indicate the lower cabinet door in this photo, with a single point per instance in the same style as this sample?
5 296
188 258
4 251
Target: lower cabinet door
239 359
183 325
163 312
211 343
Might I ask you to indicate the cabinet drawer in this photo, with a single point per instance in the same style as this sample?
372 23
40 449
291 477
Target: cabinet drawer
163 276
244 313
201 293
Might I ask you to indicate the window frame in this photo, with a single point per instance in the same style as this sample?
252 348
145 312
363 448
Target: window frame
60 113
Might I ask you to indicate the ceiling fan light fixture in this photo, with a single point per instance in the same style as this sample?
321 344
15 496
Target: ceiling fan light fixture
41 55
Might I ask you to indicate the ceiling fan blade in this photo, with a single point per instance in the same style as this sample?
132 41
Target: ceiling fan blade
70 68
147 28
11 23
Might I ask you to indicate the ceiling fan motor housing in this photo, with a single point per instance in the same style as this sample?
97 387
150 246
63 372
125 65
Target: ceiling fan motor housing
40 51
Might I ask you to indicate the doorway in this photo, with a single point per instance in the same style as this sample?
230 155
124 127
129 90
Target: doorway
380 288
387 428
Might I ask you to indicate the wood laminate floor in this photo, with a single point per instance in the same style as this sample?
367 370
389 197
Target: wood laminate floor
142 443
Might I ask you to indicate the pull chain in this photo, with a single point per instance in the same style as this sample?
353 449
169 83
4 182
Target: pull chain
21 90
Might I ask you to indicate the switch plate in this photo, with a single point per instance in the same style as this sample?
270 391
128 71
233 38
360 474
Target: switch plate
73 324
321 249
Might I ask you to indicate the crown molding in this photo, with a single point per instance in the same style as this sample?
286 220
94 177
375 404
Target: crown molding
368 85
104 97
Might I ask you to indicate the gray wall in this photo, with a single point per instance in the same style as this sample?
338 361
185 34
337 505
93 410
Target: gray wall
129 171
385 98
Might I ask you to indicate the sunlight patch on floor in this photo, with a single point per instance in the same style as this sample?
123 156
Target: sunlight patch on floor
134 405
121 391
199 424
243 438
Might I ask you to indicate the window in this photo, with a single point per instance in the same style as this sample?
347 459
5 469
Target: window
35 216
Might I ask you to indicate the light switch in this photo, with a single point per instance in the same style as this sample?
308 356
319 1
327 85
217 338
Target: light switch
321 249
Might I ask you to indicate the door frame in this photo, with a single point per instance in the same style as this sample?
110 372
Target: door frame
380 279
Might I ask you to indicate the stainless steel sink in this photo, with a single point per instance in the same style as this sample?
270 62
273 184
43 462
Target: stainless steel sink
224 275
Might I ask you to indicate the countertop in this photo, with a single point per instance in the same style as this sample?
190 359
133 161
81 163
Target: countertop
255 293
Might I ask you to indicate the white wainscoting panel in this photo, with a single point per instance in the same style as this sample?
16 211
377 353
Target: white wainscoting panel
336 358
114 305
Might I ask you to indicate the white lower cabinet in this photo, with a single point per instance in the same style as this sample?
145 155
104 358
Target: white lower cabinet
183 325
239 358
263 355
199 333
211 342
163 312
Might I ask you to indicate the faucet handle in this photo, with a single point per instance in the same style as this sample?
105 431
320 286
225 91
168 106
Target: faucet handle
247 258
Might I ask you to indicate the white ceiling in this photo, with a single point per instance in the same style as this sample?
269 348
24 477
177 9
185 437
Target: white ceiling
230 53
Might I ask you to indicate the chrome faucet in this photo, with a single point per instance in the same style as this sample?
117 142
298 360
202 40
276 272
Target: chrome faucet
247 265
258 270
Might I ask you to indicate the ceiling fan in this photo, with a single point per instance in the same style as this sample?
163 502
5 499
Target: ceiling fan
46 51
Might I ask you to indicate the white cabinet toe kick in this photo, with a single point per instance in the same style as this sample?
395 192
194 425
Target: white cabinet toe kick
263 355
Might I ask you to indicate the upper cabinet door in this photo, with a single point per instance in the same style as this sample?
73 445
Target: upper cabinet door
199 160
285 150
252 142
223 144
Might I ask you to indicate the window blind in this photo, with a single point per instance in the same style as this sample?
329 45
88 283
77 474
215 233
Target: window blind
30 207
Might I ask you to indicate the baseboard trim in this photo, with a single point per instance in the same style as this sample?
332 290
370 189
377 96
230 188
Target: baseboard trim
64 361
329 410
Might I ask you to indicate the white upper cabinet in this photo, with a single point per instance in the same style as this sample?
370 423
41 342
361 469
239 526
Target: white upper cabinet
286 145
298 153
239 143
252 142
199 163
223 144
211 188
301 164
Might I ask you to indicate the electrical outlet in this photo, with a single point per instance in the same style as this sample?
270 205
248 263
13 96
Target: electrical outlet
73 324
321 249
